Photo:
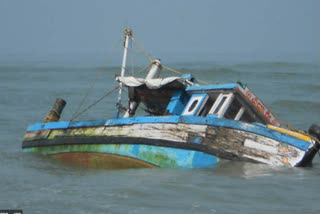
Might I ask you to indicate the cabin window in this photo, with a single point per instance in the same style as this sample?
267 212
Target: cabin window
205 107
195 104
235 110
222 104
249 118
230 106
240 113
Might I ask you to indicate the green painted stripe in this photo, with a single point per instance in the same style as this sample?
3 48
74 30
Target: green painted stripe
160 156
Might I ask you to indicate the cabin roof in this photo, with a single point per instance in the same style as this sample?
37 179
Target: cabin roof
212 87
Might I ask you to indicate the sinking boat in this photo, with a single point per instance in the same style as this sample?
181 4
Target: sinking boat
188 125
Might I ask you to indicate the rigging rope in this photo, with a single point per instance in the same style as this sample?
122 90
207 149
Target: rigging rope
95 79
178 72
151 60
132 68
95 103
291 128
140 46
309 135
144 68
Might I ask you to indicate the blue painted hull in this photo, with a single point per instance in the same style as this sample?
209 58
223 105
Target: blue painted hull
175 141
156 156
238 125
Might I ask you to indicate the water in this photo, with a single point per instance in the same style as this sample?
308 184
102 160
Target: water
38 184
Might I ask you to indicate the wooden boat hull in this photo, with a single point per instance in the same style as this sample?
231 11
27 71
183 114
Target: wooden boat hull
99 160
171 141
120 156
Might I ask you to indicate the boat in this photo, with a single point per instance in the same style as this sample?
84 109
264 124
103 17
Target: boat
185 124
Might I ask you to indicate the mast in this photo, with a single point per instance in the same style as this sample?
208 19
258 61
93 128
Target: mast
128 35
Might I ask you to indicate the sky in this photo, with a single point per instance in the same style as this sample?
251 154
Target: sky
174 29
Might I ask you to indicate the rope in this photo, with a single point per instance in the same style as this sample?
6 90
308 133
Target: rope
150 59
132 70
291 128
140 46
144 68
298 131
178 72
309 135
55 111
203 82
288 126
95 103
172 70
95 79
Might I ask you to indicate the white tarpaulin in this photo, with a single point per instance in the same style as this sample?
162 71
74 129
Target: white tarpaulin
151 83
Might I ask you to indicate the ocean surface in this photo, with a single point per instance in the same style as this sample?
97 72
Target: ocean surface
38 184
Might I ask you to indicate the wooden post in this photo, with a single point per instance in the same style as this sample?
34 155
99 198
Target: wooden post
56 110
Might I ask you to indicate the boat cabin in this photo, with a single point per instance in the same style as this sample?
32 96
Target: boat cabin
183 97
216 102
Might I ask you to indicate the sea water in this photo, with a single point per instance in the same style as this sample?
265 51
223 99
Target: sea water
38 184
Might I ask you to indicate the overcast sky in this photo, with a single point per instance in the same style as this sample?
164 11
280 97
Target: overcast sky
249 27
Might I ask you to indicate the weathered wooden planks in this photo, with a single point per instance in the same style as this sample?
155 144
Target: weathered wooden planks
219 141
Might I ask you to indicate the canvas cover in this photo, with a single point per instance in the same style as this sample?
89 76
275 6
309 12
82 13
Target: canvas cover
174 82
